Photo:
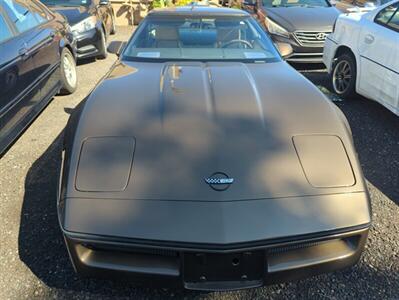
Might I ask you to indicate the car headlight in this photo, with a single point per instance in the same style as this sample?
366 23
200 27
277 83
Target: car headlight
85 25
274 28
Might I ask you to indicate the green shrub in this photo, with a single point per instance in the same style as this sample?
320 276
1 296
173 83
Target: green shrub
158 3
183 2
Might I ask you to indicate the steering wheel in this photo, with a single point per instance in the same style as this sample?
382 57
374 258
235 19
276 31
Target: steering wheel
238 41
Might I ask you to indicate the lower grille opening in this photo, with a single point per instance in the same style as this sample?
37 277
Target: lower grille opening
137 261
137 250
309 254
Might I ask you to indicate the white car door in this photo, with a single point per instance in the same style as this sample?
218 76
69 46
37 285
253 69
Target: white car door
379 57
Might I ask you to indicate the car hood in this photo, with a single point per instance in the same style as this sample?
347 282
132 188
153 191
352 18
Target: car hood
73 14
304 18
157 130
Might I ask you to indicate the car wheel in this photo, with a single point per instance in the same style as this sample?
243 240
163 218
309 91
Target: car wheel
68 73
113 27
103 47
344 76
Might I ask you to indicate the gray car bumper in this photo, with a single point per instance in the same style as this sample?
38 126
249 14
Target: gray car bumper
301 54
189 244
198 268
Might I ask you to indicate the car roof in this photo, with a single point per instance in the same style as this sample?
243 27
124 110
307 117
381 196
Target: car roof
197 11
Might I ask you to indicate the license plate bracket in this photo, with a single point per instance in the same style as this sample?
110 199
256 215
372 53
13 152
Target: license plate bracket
248 266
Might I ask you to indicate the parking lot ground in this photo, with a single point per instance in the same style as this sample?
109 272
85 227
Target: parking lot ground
34 262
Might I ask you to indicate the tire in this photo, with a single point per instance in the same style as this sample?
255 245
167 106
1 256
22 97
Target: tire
343 76
113 27
102 54
69 78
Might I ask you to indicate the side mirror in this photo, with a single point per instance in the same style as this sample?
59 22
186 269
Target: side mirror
249 3
284 49
116 47
104 2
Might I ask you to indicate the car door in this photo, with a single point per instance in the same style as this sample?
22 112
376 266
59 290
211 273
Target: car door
9 68
379 57
45 50
17 79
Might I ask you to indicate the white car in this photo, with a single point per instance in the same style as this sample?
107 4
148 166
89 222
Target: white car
362 55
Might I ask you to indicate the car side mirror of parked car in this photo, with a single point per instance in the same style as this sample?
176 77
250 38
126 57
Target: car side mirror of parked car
284 49
116 47
249 2
249 5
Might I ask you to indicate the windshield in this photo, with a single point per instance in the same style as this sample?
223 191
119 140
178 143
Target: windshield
293 3
200 38
66 2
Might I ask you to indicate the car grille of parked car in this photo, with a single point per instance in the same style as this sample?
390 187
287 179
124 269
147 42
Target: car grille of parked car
311 38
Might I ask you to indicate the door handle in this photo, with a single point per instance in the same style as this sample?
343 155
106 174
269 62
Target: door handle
50 38
369 39
23 52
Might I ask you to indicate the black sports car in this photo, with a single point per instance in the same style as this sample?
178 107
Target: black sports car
91 21
204 160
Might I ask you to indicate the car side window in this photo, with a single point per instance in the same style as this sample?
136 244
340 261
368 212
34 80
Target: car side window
21 14
41 15
385 15
394 21
5 32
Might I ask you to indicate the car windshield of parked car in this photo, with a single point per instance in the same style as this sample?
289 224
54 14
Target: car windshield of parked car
200 38
292 3
66 2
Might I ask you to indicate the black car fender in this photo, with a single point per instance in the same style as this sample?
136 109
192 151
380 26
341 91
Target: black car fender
101 27
69 43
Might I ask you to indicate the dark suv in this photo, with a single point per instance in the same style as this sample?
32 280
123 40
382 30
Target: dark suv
37 60
92 21
304 24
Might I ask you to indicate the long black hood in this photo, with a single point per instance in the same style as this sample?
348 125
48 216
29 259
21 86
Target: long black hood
73 14
304 18
188 120
150 133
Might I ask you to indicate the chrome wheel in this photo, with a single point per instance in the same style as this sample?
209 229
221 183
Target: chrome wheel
69 69
342 77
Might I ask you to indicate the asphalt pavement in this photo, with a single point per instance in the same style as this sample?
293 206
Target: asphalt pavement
34 263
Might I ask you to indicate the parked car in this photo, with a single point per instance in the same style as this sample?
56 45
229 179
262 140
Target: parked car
37 60
91 21
202 182
304 24
363 5
362 55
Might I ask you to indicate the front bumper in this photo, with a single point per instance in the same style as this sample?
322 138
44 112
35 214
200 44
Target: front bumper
300 53
149 242
88 43
330 48
201 267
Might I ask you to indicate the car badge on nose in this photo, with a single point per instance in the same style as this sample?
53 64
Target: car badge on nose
321 36
219 181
